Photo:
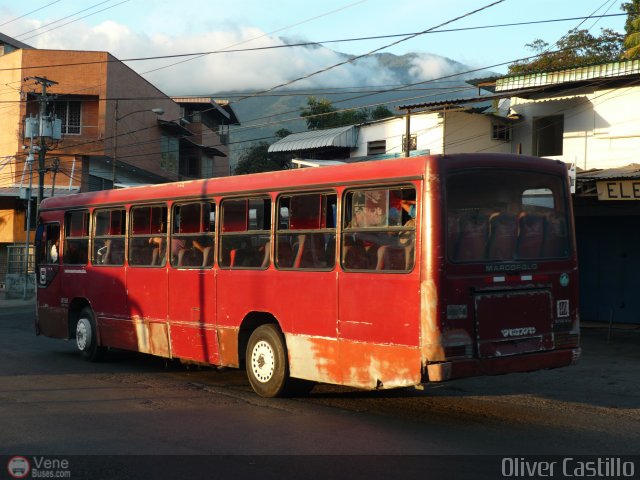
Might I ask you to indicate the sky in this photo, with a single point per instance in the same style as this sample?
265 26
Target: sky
131 29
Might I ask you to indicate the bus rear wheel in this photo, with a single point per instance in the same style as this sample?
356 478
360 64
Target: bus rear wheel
266 361
87 336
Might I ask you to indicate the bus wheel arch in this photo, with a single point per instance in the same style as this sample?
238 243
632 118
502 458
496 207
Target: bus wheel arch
263 350
83 328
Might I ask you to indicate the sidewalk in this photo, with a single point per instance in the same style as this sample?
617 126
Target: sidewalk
15 302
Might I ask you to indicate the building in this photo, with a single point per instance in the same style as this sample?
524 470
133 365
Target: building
584 116
117 130
205 154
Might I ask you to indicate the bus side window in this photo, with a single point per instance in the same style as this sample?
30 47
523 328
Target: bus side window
306 232
76 244
379 229
193 235
109 237
148 236
48 244
245 233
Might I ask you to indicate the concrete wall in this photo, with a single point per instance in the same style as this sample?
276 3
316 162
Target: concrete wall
11 113
601 128
464 132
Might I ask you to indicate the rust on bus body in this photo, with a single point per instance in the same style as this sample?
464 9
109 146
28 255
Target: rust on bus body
431 332
152 337
228 346
352 363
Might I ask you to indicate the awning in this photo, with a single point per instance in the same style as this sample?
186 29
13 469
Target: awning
174 127
332 137
210 150
301 162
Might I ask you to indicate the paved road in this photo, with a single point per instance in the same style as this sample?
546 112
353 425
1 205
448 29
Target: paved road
54 403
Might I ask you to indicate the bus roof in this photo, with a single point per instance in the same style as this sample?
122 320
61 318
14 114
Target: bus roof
398 169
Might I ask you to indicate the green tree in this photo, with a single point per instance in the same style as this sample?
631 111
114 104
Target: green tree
320 114
632 29
380 112
283 132
578 47
257 159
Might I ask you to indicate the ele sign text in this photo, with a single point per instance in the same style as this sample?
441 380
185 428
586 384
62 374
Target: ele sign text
618 190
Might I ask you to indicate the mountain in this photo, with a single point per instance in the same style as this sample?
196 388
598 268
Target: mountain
384 78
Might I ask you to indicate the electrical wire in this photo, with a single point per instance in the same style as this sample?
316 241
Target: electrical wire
27 14
307 44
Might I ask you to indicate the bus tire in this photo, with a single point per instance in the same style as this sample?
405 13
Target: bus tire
87 336
266 361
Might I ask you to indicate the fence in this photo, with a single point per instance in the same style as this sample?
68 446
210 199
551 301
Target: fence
20 269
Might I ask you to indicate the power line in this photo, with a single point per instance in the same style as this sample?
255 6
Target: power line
262 36
406 86
307 44
77 19
27 14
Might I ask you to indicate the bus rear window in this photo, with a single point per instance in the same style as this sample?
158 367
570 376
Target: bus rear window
502 215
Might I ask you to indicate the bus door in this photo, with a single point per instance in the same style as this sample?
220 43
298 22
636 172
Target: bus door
305 257
191 282
50 310
107 275
379 289
147 331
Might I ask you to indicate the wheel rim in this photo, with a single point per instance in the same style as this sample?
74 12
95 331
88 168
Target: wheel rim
83 334
263 361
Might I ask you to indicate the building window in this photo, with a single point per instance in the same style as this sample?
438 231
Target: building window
207 167
413 142
189 166
548 133
501 132
169 153
223 133
377 147
70 114
96 183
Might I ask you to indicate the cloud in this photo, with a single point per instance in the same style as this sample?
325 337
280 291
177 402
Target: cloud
221 72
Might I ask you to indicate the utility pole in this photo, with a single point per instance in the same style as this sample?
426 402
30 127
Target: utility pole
407 134
54 169
44 83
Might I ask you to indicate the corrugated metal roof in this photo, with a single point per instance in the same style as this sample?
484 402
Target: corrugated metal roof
628 172
301 162
332 137
568 75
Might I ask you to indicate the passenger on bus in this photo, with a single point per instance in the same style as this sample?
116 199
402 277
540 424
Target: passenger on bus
204 245
54 251
157 254
178 249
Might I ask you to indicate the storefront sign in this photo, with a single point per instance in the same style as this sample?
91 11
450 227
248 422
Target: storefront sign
618 190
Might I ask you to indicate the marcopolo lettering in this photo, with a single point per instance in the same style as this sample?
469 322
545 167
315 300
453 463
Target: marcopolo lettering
510 267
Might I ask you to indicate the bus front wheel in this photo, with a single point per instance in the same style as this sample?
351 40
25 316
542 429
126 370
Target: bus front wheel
266 361
87 336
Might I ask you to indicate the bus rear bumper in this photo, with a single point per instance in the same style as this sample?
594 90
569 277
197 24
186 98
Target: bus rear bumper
440 372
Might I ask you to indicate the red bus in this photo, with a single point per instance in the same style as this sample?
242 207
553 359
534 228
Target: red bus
375 275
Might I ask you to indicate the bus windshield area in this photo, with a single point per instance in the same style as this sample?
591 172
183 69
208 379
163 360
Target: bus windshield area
503 215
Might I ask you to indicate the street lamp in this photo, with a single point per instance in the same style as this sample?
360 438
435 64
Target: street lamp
116 119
